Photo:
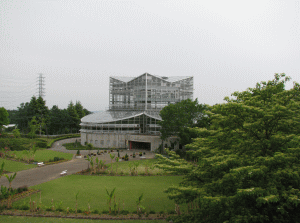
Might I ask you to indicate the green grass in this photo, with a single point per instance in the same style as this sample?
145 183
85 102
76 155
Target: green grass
18 219
92 189
45 155
14 166
123 167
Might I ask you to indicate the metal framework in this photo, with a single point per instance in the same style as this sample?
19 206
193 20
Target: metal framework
148 92
135 103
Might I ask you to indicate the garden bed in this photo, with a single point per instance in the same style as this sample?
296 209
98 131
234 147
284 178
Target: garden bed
49 214
21 195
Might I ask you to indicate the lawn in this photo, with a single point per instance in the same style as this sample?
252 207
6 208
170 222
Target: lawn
44 155
18 219
124 167
14 166
92 190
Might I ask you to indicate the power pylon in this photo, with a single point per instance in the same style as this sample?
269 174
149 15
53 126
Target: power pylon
41 83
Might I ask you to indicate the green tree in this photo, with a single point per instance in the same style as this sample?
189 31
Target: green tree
248 160
178 118
33 125
10 179
73 117
3 117
110 197
79 109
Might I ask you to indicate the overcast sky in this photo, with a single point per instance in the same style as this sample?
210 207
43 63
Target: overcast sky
227 46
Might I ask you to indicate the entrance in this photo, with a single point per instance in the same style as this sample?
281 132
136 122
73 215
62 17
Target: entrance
140 145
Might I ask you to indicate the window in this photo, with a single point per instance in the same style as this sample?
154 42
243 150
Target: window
96 142
108 142
101 142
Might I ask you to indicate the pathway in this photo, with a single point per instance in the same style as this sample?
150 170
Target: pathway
46 173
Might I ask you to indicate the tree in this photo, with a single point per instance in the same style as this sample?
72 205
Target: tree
110 197
73 117
178 118
79 109
10 179
3 117
248 160
33 125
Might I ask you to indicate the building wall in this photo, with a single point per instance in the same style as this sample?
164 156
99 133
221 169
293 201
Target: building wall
109 140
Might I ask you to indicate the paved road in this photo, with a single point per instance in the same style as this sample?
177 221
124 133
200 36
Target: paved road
46 173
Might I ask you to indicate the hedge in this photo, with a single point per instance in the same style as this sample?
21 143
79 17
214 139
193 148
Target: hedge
62 137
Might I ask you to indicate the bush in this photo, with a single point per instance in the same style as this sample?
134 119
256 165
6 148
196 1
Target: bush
124 212
171 212
105 212
60 138
79 211
95 212
41 143
22 188
55 159
14 144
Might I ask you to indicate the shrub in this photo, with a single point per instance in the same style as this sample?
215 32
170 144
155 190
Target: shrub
14 144
126 157
79 211
78 152
151 212
124 212
62 137
41 143
171 212
95 212
105 212
22 188
57 159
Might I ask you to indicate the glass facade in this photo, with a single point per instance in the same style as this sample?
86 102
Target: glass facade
148 92
135 103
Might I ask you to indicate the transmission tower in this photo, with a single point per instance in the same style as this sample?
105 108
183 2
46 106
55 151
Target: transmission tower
41 83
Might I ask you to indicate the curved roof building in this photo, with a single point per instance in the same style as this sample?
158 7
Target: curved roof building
134 106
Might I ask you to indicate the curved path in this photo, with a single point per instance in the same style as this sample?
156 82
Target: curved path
46 173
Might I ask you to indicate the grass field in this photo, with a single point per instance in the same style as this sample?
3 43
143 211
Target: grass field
124 167
14 166
13 219
92 190
44 155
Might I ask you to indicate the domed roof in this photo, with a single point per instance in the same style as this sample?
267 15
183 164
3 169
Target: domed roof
112 116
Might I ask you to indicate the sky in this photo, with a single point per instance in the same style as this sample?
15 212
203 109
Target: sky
77 45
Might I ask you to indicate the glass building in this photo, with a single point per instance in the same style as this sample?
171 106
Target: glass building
134 106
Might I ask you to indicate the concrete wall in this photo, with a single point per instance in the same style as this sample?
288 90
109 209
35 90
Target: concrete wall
109 140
